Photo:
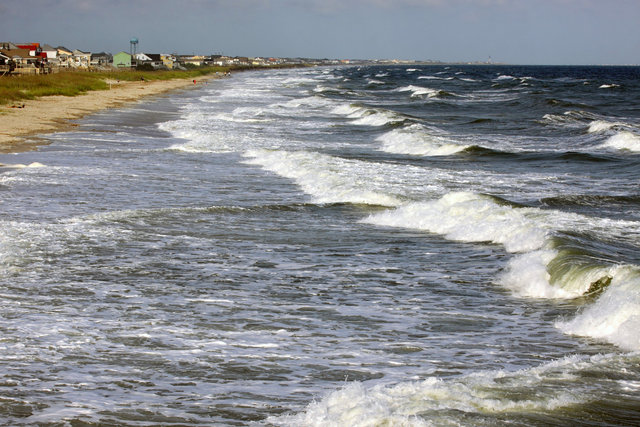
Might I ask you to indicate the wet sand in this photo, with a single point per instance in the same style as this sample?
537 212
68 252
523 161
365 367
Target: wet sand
20 123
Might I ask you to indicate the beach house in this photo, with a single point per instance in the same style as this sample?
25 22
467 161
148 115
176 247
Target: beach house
23 61
123 60
100 60
50 52
80 59
169 61
152 59
64 56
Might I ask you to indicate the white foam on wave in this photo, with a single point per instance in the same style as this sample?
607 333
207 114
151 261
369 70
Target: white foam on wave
22 166
468 217
295 81
364 116
624 140
526 275
415 140
327 179
435 401
240 118
417 91
377 118
615 316
322 89
609 86
599 126
198 138
348 110
309 102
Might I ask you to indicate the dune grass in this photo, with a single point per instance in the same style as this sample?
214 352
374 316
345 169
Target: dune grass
14 89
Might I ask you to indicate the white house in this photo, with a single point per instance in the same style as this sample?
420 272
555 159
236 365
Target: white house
52 52
154 59
80 59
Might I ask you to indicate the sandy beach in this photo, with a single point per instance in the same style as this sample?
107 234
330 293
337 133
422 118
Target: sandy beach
20 123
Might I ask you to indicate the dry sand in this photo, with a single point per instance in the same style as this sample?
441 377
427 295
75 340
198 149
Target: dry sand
53 113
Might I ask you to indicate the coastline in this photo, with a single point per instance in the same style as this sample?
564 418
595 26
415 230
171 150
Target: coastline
19 126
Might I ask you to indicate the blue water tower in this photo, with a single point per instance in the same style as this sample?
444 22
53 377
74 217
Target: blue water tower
133 44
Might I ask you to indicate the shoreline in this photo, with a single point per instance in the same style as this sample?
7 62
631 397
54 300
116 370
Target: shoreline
20 126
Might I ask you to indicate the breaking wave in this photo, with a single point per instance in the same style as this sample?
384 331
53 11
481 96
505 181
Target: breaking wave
415 140
545 265
327 179
482 398
626 141
420 91
365 116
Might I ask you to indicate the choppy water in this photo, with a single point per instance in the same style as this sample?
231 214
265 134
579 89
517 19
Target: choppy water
332 246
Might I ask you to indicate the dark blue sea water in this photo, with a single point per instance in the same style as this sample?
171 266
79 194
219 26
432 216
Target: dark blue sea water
349 246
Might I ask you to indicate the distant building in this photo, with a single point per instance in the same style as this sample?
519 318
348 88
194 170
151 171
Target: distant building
101 60
50 51
197 60
33 48
64 56
153 59
123 60
81 59
8 46
23 62
169 61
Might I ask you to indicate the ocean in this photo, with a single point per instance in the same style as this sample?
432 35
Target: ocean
393 245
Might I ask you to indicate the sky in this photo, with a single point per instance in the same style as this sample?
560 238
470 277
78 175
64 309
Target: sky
508 31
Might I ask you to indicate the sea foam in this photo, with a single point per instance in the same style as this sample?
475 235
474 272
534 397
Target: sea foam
365 116
327 179
468 217
615 316
599 126
417 141
624 141
417 91
434 401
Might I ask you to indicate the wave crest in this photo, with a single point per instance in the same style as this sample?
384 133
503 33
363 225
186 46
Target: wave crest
416 141
624 140
468 217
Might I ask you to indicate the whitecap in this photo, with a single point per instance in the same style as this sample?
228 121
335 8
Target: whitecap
415 140
468 217
377 118
22 166
419 91
364 116
624 140
615 316
327 179
599 126
435 401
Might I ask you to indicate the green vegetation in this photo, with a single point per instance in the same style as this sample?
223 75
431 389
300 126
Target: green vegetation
14 89
17 88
